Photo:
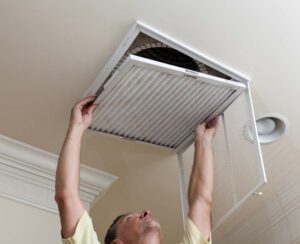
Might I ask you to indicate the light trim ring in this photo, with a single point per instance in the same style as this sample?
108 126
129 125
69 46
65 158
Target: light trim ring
270 128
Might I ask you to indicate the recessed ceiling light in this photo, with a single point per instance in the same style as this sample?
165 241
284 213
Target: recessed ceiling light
270 127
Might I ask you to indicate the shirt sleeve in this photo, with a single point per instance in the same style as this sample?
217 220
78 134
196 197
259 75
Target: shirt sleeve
84 233
192 235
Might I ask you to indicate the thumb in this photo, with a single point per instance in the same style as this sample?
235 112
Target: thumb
91 108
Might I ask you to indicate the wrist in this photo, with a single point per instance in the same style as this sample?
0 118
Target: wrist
75 132
204 144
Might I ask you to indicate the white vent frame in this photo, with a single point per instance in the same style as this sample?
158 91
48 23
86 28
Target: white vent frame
235 75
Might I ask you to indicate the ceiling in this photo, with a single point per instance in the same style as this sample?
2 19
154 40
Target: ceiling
52 51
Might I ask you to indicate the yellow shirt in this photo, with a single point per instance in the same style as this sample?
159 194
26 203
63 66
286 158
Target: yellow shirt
85 233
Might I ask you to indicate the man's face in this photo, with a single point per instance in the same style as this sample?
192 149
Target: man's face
138 228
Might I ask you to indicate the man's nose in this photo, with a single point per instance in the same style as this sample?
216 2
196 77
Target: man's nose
145 213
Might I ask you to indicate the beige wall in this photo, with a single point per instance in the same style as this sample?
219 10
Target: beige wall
20 223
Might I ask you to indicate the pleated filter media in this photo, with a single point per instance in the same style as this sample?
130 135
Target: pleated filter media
161 104
155 90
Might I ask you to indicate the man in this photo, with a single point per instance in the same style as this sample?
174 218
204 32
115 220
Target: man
130 228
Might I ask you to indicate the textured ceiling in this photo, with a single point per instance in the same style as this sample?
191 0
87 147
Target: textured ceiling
52 51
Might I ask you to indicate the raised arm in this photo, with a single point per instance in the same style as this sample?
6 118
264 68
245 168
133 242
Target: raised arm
201 181
67 173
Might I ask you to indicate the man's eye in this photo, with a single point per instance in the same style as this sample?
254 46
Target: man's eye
128 218
131 216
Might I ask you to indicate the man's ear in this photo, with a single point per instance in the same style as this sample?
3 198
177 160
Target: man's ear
117 241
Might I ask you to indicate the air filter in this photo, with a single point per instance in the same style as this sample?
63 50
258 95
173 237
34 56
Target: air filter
158 103
156 90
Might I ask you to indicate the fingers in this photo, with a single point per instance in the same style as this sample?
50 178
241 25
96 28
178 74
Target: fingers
213 123
85 101
206 126
91 108
201 127
206 131
209 124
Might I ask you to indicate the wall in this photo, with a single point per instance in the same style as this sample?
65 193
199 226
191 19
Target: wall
20 223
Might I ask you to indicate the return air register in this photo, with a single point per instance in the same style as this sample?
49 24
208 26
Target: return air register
155 90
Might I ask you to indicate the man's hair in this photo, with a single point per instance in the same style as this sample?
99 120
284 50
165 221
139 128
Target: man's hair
111 233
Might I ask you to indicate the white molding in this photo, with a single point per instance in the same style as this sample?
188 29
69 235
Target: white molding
27 175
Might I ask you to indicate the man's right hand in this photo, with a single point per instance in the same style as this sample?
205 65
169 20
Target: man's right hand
81 115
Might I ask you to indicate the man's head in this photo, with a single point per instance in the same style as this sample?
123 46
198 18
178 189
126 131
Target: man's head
134 228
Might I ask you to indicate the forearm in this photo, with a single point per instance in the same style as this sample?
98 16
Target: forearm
68 167
200 189
201 181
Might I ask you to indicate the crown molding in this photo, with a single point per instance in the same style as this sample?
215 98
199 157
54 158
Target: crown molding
27 175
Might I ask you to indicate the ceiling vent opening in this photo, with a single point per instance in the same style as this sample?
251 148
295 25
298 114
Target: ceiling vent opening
170 56
147 47
184 87
151 48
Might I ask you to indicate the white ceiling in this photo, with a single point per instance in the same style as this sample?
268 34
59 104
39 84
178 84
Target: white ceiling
52 51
